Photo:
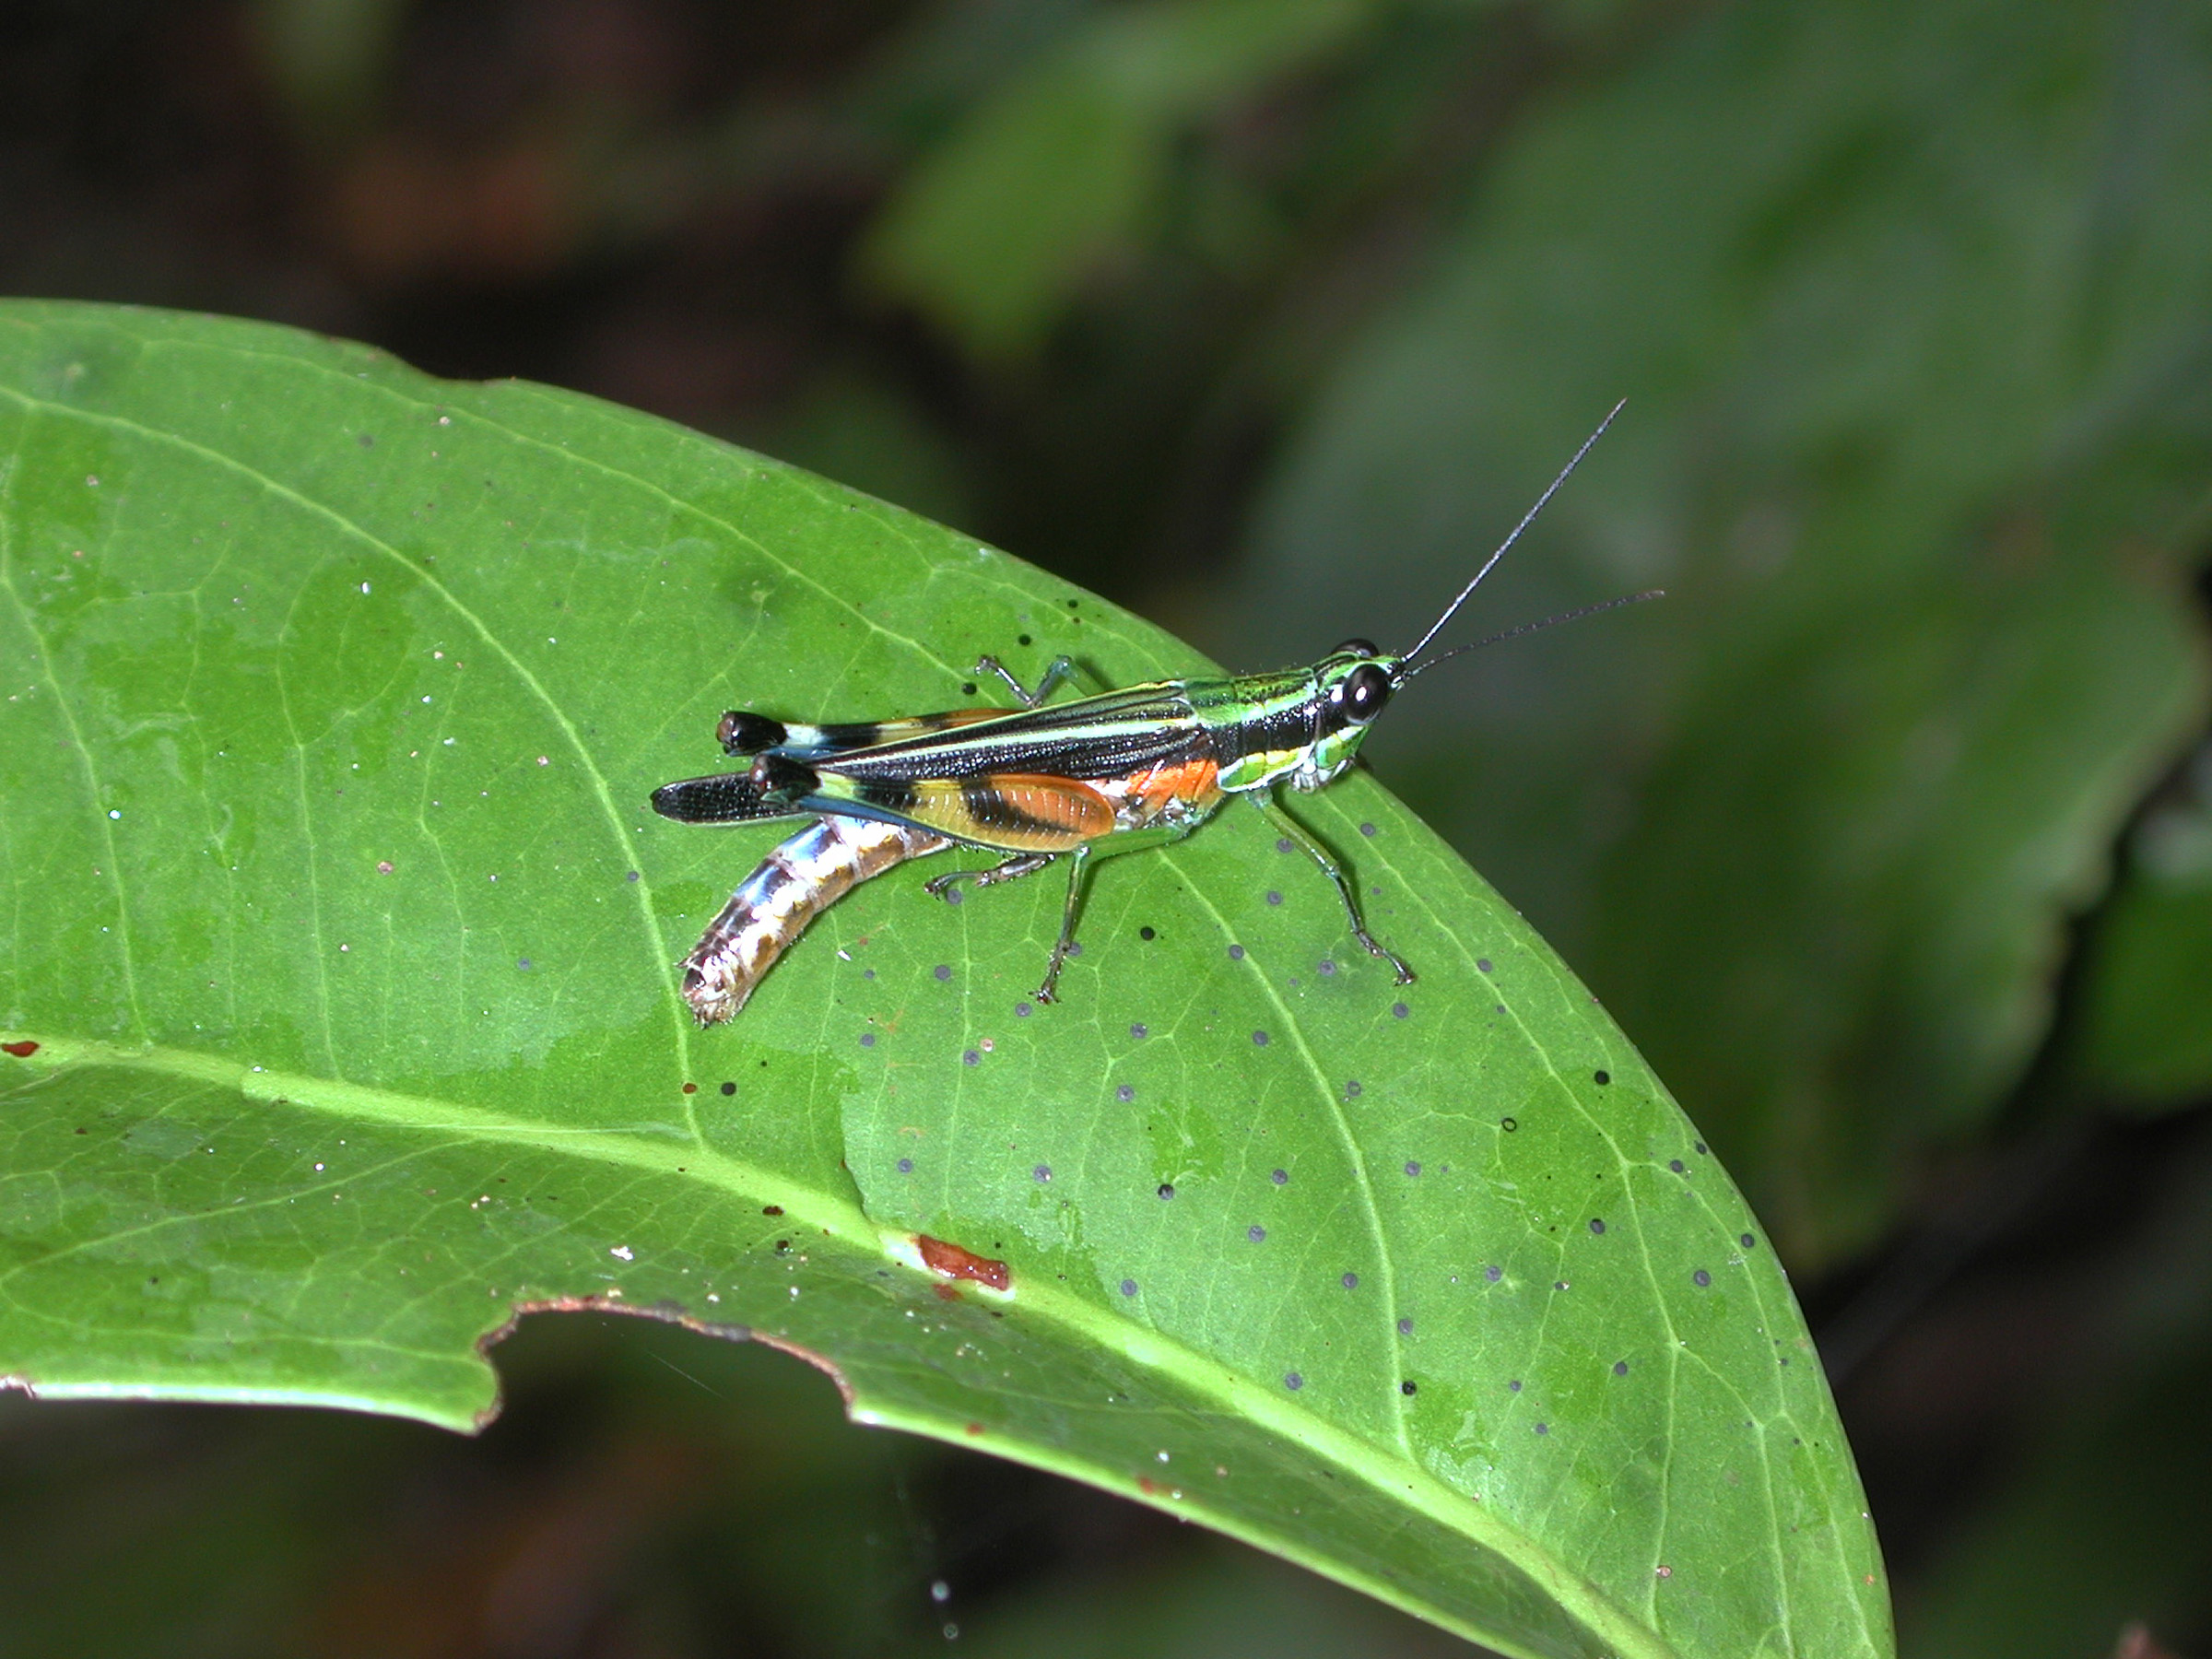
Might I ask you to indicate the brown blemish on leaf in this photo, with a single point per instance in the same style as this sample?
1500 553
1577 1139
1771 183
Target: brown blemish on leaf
954 1261
21 1051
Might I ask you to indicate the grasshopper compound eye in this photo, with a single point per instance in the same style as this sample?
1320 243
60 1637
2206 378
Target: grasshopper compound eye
1366 690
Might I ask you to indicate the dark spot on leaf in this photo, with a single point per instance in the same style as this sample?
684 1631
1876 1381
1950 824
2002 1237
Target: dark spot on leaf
1280 1177
1042 1172
1021 639
367 441
1366 829
1259 1039
1327 967
782 1246
967 689
1746 1240
1275 898
21 1051
1021 1010
1701 1147
1146 934
1352 1091
1139 1032
1125 1092
524 964
1167 1188
1596 1226
1406 1327
1543 1427
1351 1281
729 1088
1621 1368
1399 1010
942 972
1558 1284
1293 1382
1256 1233
1603 1078
1676 1165
1236 953
1508 1124
1412 1168
868 1039
1514 1386
1407 1387
1283 843
1701 1278
1482 963
906 1166
1128 1287
954 1261
1493 1273
690 1088
632 876
969 1057
1073 603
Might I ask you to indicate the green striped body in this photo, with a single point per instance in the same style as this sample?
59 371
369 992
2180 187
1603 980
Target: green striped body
1114 772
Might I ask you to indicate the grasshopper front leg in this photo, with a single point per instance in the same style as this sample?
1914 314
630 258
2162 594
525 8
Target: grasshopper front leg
1295 832
1057 671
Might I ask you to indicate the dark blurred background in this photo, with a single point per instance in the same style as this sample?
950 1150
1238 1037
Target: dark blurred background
1887 836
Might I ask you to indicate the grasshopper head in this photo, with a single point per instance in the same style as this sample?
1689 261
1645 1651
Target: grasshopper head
1352 685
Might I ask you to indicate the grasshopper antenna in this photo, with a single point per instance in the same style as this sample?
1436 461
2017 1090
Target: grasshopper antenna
1528 518
1529 628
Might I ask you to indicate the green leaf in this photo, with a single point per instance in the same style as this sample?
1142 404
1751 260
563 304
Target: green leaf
333 698
1917 441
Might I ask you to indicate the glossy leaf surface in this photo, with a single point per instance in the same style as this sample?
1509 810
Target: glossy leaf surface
343 1023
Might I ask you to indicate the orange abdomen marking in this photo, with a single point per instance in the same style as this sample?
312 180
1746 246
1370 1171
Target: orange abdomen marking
1193 782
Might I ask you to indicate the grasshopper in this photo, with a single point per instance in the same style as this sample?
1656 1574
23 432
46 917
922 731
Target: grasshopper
1038 783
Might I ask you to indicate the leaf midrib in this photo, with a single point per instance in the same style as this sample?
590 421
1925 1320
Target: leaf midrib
1387 1470
1377 1466
1349 1142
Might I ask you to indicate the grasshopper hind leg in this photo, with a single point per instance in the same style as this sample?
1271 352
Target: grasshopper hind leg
1013 869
